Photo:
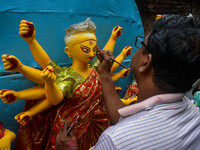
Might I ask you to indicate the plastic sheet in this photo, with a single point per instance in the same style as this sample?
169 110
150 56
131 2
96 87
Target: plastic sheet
51 18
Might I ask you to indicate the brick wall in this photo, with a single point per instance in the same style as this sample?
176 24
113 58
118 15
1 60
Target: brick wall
150 8
170 6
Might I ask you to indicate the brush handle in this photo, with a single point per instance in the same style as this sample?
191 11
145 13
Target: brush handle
120 64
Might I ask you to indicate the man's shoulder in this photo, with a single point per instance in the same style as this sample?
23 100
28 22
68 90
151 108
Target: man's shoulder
117 135
141 130
124 125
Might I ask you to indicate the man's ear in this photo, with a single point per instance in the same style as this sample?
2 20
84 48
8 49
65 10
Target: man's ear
68 52
146 63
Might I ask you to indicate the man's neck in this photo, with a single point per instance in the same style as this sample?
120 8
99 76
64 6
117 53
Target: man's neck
148 90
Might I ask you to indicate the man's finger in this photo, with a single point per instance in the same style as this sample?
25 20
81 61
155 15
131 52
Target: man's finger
65 126
99 55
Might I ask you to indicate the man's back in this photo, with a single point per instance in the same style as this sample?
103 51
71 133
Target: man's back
166 126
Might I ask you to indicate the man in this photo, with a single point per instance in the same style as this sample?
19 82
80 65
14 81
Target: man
165 67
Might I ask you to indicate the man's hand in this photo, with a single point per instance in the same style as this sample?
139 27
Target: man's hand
27 31
64 142
11 63
116 32
105 57
8 96
110 97
48 75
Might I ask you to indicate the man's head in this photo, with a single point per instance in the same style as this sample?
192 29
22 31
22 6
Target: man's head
174 45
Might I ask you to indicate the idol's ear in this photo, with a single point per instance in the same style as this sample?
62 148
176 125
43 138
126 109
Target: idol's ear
146 62
67 51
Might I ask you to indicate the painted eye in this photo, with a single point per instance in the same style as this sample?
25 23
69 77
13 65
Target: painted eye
85 49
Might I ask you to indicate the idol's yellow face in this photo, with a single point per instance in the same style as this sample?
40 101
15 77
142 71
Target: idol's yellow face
84 51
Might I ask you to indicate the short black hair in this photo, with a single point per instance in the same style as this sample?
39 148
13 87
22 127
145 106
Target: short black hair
175 47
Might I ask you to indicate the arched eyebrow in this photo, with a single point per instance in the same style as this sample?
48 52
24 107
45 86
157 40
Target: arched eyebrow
84 46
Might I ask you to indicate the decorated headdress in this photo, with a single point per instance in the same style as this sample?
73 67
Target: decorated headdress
86 28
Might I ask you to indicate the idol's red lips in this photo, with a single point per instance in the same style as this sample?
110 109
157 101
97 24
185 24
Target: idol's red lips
91 57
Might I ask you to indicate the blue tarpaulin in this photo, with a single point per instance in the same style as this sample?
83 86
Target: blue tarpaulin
51 19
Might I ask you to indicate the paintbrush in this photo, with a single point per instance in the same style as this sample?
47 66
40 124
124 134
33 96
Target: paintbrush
73 125
98 50
120 64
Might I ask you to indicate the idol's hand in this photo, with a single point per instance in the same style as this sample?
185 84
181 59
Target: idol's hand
5 141
129 101
124 73
27 31
48 75
24 117
126 51
11 63
118 89
8 96
116 32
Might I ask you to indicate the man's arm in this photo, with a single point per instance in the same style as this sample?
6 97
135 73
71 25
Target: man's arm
111 99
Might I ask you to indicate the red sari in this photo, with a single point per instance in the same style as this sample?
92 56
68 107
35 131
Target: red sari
132 91
41 131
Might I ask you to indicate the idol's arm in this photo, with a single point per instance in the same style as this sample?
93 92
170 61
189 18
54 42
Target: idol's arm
34 93
27 32
26 116
116 32
12 63
53 93
121 74
124 53
5 141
